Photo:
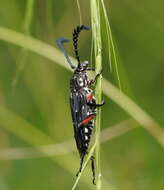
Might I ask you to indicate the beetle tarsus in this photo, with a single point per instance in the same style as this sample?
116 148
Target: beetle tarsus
81 164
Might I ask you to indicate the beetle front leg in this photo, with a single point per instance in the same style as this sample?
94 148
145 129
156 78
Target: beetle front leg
91 82
93 169
81 163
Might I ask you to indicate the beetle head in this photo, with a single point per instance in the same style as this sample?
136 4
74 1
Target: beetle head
82 66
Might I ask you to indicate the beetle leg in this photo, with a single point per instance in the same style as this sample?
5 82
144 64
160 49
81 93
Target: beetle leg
81 163
96 105
93 168
95 79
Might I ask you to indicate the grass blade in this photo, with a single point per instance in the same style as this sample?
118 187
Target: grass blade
84 165
79 10
110 42
53 54
31 135
21 61
57 149
96 34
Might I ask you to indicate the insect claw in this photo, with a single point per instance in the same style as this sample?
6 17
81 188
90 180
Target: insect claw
100 72
93 181
78 173
103 102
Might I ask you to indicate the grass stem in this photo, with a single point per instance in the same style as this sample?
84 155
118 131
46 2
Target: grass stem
96 34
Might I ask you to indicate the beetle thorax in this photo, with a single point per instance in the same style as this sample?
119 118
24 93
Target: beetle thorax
79 80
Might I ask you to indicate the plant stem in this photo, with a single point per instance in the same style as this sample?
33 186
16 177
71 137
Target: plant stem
98 92
28 16
84 165
96 31
79 10
111 91
21 61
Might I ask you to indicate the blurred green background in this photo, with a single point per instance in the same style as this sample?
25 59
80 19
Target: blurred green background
36 90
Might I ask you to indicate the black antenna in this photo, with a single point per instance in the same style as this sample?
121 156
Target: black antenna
75 40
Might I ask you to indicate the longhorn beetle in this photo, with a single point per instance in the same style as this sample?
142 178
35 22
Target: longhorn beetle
82 101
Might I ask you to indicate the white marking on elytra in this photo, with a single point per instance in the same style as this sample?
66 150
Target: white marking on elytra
86 137
86 130
81 83
86 88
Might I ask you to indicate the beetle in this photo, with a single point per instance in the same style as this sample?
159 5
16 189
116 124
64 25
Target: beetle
82 101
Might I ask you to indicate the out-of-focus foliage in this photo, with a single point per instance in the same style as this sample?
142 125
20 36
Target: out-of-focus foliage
40 94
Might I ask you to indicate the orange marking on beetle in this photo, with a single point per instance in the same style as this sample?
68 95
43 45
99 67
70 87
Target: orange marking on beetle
86 121
89 96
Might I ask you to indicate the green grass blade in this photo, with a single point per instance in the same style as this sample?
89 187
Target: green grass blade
53 54
31 135
57 149
106 30
135 111
20 63
84 165
96 34
28 16
79 10
33 45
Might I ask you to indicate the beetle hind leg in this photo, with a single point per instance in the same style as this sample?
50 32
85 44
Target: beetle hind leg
93 169
81 163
